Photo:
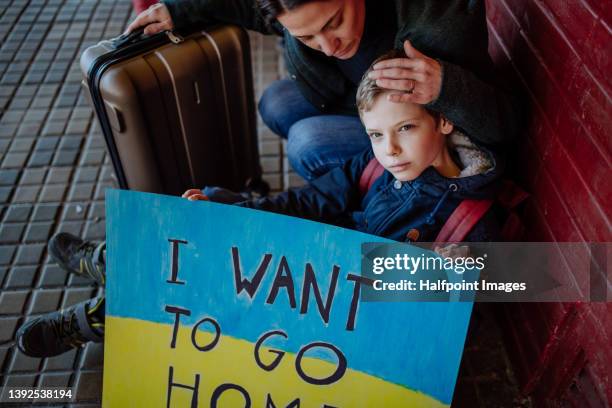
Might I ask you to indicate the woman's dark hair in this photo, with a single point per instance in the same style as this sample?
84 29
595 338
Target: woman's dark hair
270 9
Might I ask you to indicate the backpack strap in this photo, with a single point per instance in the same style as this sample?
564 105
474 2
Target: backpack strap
513 228
462 220
469 212
510 196
372 171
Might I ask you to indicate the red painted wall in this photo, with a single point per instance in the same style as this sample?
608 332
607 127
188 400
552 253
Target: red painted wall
560 53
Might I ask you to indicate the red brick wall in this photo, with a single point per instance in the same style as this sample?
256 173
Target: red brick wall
560 53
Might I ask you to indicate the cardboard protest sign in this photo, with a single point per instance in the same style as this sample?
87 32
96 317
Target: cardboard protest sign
216 305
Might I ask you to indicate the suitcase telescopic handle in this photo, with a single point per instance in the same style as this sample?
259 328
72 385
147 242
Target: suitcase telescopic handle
138 35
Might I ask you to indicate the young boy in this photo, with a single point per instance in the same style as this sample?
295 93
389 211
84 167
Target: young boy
429 168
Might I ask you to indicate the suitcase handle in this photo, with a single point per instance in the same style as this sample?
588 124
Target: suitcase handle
138 35
128 38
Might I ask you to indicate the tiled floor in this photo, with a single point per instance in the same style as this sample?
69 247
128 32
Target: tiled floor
53 173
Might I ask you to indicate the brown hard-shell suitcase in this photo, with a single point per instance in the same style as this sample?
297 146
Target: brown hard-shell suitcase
176 113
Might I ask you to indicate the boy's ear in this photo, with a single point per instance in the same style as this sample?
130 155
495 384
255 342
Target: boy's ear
446 126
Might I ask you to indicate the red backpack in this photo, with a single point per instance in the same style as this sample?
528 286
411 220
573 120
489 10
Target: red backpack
468 212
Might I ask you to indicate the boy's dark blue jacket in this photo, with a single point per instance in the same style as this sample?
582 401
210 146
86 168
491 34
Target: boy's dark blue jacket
390 208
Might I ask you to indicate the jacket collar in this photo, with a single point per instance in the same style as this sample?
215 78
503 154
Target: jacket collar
480 166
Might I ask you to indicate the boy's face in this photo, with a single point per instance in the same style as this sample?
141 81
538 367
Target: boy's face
405 138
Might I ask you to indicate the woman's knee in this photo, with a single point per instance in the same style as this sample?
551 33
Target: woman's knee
303 164
282 104
302 151
308 149
317 144
272 107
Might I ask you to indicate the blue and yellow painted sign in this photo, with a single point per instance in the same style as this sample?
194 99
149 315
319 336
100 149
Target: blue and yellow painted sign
212 305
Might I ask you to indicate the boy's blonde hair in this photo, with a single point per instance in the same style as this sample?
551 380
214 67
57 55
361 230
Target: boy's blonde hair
368 90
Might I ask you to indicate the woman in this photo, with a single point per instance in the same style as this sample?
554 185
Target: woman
329 44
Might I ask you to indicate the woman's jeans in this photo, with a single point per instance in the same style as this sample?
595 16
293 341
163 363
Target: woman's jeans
315 142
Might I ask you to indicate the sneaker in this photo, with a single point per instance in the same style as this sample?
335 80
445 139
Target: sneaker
80 257
58 332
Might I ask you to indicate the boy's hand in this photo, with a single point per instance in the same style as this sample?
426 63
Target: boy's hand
418 77
155 19
194 194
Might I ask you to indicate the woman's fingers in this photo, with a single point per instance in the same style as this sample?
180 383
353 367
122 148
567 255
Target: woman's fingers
403 97
142 19
406 85
398 73
156 28
156 18
408 63
391 81
394 72
419 78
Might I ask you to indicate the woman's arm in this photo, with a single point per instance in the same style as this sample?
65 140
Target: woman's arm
448 67
484 112
240 12
170 14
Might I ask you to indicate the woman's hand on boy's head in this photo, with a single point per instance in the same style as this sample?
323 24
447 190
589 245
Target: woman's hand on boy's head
194 194
418 77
